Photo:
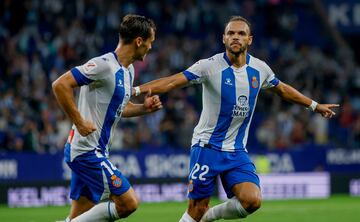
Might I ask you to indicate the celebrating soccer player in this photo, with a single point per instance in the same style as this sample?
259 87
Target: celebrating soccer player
106 83
231 84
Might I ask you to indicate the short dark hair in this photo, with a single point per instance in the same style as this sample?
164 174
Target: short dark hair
239 18
133 26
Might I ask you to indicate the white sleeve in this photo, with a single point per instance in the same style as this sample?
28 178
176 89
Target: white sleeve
197 73
270 78
94 69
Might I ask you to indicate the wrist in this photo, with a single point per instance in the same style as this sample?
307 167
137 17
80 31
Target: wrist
137 90
313 105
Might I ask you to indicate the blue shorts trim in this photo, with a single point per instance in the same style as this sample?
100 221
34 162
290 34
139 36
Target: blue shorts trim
95 177
206 164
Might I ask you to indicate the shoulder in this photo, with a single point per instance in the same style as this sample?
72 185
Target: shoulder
215 60
258 64
99 63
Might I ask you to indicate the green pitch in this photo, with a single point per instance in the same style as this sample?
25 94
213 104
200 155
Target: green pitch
335 209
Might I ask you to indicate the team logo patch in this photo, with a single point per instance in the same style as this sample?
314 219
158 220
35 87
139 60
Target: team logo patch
116 181
190 186
254 82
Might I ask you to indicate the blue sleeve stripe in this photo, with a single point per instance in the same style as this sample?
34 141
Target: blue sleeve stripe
275 81
190 76
80 78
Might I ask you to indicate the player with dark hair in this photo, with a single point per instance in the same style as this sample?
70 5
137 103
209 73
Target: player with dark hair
99 191
231 83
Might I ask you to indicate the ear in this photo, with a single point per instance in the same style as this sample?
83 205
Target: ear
223 38
138 41
250 39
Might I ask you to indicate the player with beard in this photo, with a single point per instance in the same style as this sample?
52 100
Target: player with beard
231 83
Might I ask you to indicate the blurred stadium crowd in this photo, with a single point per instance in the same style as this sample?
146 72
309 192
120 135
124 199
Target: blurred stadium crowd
41 39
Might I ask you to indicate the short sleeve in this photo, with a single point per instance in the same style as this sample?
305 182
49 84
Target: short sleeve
94 69
197 73
270 78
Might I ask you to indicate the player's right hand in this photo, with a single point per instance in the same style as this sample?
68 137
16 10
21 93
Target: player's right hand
85 127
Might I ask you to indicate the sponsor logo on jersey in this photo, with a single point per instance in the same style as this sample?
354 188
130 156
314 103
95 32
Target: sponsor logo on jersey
116 181
241 109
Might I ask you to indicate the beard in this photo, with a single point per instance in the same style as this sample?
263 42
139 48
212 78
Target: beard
236 52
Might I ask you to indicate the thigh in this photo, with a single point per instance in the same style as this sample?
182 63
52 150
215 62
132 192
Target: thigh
96 178
242 171
79 206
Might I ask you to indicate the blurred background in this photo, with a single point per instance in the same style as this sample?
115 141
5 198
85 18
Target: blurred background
311 45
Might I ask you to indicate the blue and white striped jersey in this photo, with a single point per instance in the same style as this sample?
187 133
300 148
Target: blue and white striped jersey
105 90
229 99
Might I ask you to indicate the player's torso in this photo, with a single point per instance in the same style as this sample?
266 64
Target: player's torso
102 102
229 98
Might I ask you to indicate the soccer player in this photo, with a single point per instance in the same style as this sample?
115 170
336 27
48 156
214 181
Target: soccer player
99 191
231 82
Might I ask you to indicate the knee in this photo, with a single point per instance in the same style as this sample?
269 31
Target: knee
251 204
124 210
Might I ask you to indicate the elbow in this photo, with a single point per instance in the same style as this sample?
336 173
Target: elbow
55 86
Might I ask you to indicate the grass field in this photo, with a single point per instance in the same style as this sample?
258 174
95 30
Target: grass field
335 209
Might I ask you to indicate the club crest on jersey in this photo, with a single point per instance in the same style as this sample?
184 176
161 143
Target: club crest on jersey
190 186
241 109
254 82
116 181
228 82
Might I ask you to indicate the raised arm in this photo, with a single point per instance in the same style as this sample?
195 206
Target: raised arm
290 94
162 85
63 89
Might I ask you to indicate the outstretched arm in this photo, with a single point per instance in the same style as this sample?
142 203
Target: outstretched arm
63 90
151 104
290 94
162 85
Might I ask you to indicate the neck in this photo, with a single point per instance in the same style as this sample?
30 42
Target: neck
125 54
237 60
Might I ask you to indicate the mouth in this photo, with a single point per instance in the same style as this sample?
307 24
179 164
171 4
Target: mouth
235 44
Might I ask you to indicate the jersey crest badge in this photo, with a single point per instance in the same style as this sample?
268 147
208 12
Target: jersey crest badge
254 82
190 186
116 181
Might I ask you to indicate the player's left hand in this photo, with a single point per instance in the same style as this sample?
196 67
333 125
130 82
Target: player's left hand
326 110
152 103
